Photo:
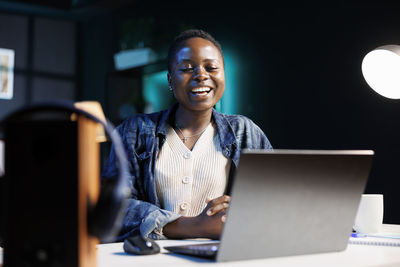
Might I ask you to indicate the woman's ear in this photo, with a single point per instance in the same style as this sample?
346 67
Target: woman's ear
169 78
169 81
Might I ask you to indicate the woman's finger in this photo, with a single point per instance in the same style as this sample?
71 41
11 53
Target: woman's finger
219 200
218 208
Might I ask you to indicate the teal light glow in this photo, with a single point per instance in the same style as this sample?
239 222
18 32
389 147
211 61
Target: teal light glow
228 102
155 92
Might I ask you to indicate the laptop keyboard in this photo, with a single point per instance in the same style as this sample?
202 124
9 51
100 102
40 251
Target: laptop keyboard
208 250
204 247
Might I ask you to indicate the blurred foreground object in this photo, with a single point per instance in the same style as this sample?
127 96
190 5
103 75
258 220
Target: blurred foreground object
54 211
95 109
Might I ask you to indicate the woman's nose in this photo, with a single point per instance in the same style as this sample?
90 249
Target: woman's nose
200 74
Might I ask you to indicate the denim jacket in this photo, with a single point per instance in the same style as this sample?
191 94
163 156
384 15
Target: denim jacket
143 136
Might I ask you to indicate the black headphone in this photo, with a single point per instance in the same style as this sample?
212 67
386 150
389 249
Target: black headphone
104 220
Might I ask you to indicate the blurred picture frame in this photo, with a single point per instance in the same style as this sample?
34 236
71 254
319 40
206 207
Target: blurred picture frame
1 157
6 73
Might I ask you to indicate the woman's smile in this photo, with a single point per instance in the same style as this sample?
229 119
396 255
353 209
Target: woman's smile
201 92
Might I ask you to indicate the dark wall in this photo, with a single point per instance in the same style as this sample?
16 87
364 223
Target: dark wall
45 58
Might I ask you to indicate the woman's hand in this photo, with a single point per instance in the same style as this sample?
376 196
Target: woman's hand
208 224
212 219
219 204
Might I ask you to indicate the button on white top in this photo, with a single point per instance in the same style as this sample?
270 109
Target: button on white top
186 155
186 180
184 206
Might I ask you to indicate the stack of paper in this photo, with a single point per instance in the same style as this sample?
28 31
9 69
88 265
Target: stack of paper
384 238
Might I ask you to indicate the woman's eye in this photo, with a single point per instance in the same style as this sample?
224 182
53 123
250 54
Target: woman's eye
187 69
212 68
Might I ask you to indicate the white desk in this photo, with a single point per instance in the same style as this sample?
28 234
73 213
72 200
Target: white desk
112 255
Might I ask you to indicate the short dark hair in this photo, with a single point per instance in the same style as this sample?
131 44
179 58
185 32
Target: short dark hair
185 35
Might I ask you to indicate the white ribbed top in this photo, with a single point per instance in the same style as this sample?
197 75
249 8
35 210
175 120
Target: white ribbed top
184 178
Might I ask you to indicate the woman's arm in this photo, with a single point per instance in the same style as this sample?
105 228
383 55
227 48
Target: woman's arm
140 216
207 224
145 218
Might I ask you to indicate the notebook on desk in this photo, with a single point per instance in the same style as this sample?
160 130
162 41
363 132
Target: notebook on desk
289 202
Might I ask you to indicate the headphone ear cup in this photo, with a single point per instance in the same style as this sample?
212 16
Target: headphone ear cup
105 218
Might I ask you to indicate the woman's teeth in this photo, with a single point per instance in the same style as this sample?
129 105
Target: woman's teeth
201 90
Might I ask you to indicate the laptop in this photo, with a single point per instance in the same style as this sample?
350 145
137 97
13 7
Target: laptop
289 202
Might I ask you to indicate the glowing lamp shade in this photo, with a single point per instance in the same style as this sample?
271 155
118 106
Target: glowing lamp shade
381 70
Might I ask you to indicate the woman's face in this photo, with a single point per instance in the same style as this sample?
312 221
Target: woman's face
197 77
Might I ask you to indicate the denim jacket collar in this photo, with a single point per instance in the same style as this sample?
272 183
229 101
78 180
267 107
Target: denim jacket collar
165 120
224 129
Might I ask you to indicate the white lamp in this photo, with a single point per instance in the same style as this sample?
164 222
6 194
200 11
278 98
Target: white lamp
381 70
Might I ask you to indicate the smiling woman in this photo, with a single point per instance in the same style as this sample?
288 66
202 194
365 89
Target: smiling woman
181 158
197 79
